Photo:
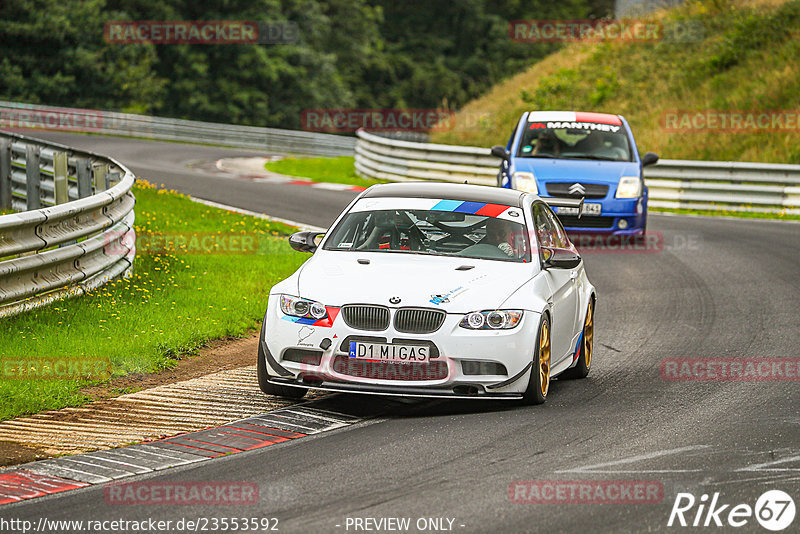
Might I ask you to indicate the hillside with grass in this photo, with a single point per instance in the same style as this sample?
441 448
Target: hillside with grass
739 57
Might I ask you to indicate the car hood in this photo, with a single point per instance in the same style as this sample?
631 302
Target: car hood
562 170
336 278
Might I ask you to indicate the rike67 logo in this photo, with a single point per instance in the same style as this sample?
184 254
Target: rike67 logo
774 510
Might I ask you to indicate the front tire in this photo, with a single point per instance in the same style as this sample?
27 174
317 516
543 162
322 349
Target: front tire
263 377
584 364
539 381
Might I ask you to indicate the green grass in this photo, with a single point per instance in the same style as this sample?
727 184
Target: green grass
744 60
172 305
339 170
726 213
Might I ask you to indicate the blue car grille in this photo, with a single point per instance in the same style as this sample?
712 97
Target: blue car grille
592 191
587 221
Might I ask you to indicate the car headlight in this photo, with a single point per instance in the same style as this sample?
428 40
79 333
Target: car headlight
524 181
491 320
629 187
302 307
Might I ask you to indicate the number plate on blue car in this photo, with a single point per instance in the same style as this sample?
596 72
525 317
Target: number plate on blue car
589 208
383 352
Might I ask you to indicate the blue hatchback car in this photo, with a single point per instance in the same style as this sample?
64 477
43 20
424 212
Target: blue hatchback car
585 155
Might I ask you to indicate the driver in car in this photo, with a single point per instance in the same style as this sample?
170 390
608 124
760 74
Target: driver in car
498 233
546 144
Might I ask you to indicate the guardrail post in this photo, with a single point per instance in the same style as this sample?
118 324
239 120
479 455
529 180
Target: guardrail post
5 174
34 178
99 171
84 167
112 178
60 191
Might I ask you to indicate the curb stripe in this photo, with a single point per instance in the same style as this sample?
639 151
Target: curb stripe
101 467
184 449
21 484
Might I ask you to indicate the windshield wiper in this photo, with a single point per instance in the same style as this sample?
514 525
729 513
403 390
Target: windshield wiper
590 156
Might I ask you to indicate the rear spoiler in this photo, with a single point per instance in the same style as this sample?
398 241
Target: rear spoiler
555 202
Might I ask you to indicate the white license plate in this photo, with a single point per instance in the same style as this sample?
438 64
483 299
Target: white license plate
590 208
383 352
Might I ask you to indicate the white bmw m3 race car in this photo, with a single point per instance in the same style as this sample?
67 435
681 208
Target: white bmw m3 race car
432 290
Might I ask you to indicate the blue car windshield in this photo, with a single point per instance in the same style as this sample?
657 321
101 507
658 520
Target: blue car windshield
539 141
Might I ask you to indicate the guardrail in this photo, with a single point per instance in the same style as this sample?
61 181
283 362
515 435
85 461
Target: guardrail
707 185
273 140
388 159
73 208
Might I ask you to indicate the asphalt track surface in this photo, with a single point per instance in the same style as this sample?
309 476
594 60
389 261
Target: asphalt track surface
717 288
175 165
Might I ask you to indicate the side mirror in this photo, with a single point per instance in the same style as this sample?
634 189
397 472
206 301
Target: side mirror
649 158
499 152
305 241
560 258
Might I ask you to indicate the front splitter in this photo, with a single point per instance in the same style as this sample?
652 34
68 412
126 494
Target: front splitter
394 391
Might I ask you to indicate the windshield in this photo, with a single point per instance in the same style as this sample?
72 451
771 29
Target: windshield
433 231
574 140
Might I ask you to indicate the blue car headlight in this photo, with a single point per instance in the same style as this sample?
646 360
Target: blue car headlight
524 181
491 320
629 187
302 307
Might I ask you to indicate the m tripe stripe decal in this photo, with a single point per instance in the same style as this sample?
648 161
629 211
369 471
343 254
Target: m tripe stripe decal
471 208
431 204
327 322
492 210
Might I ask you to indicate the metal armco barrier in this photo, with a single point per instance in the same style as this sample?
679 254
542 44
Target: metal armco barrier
73 230
711 185
273 140
388 159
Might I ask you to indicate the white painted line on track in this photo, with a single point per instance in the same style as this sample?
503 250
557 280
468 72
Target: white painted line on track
596 468
302 226
765 466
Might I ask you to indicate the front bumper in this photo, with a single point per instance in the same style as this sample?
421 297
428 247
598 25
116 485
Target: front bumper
396 391
632 211
325 363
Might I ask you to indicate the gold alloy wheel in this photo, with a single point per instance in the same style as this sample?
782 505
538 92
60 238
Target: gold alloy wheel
544 359
588 335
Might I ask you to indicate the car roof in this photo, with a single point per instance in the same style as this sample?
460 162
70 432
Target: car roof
442 190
